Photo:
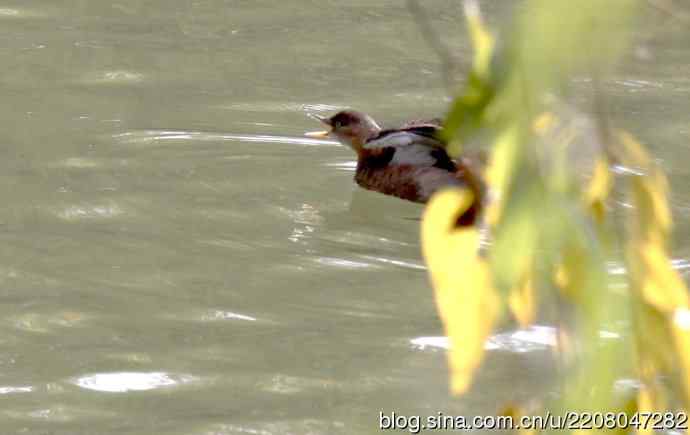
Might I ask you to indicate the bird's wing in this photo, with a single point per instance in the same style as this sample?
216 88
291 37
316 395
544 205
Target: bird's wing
417 146
434 122
421 134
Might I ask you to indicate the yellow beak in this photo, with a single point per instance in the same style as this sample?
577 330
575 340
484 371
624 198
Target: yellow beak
317 134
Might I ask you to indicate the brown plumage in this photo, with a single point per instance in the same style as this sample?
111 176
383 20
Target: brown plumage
409 162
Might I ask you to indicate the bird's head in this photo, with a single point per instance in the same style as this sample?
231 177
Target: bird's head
351 128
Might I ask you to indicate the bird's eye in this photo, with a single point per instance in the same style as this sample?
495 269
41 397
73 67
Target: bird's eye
337 124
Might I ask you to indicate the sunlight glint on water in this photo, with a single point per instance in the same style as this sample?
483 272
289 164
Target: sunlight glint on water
177 258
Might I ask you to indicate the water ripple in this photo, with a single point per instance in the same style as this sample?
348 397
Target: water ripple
91 211
12 390
120 77
227 315
341 262
400 263
533 338
154 136
617 268
17 13
46 322
639 84
123 382
78 163
7 12
344 166
272 106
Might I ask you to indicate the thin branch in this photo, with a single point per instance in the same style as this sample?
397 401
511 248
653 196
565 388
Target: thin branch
602 116
668 7
433 39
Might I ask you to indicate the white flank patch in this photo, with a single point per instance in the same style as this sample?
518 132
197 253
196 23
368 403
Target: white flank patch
418 155
399 139
402 139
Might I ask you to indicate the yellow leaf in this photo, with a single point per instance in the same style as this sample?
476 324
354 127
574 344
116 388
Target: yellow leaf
648 402
653 340
544 122
660 284
518 228
465 298
633 153
681 334
482 40
571 273
658 191
516 413
561 276
650 197
645 404
499 171
598 189
522 302
653 276
649 191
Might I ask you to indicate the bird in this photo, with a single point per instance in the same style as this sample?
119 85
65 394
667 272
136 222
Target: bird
409 162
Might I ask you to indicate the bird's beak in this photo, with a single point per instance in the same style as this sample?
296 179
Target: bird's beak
319 134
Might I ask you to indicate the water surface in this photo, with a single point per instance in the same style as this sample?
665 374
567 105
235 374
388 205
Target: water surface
177 258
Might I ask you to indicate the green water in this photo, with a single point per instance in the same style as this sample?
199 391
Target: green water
177 259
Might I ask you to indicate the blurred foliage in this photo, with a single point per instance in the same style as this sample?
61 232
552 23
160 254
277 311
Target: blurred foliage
554 221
